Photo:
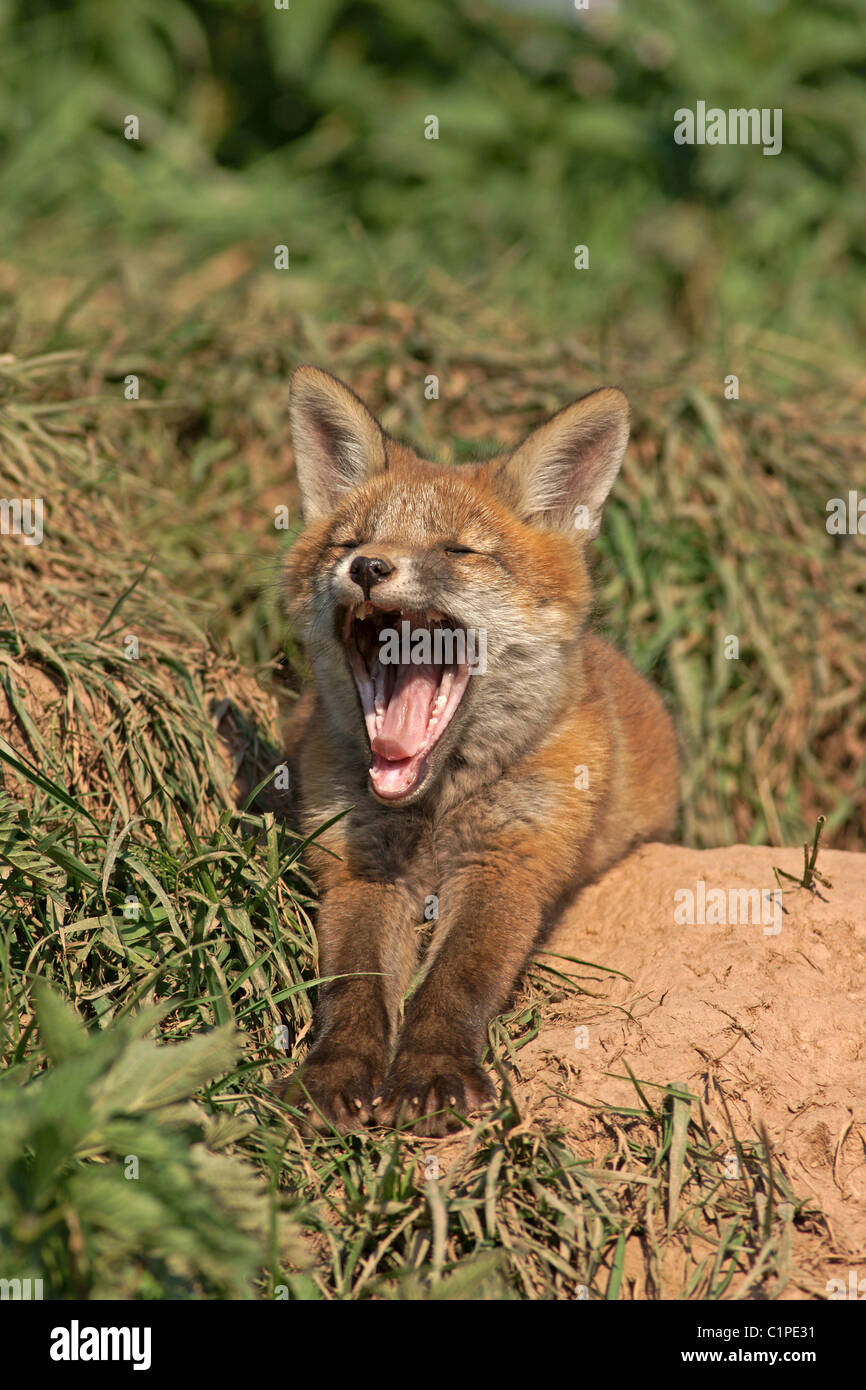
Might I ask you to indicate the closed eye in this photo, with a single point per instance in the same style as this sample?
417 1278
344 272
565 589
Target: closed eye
346 545
459 550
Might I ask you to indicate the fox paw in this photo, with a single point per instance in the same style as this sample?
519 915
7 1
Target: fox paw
430 1091
333 1091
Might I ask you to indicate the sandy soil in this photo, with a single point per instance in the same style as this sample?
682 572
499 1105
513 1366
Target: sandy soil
776 1015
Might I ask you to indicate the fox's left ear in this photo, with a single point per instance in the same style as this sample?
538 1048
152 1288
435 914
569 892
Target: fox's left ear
561 474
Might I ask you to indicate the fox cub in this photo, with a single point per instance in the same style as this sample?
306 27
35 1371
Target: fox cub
493 754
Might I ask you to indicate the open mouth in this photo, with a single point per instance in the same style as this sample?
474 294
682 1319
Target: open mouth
408 703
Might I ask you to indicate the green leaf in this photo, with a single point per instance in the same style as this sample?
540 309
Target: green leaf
149 1075
62 1032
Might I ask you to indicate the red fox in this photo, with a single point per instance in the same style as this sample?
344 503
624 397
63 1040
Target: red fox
493 754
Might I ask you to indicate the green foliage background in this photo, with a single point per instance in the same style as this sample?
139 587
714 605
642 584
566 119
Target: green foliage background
305 126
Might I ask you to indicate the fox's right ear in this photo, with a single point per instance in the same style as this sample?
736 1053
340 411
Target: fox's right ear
337 442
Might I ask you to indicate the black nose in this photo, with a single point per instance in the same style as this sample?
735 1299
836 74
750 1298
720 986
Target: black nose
367 570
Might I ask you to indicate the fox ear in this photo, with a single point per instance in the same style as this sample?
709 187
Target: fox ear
337 441
561 474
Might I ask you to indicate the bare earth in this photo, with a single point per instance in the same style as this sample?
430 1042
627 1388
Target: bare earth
777 1018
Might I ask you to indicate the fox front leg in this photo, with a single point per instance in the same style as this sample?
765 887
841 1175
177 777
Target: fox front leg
488 935
366 940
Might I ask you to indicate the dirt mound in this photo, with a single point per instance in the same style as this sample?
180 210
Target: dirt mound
768 1002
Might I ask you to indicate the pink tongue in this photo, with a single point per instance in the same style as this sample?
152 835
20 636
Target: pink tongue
404 727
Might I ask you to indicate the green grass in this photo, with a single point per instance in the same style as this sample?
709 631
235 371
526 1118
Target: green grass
716 528
224 1200
136 887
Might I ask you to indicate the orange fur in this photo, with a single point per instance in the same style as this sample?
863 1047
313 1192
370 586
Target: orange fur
558 759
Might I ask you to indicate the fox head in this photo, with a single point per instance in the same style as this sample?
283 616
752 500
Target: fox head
442 608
